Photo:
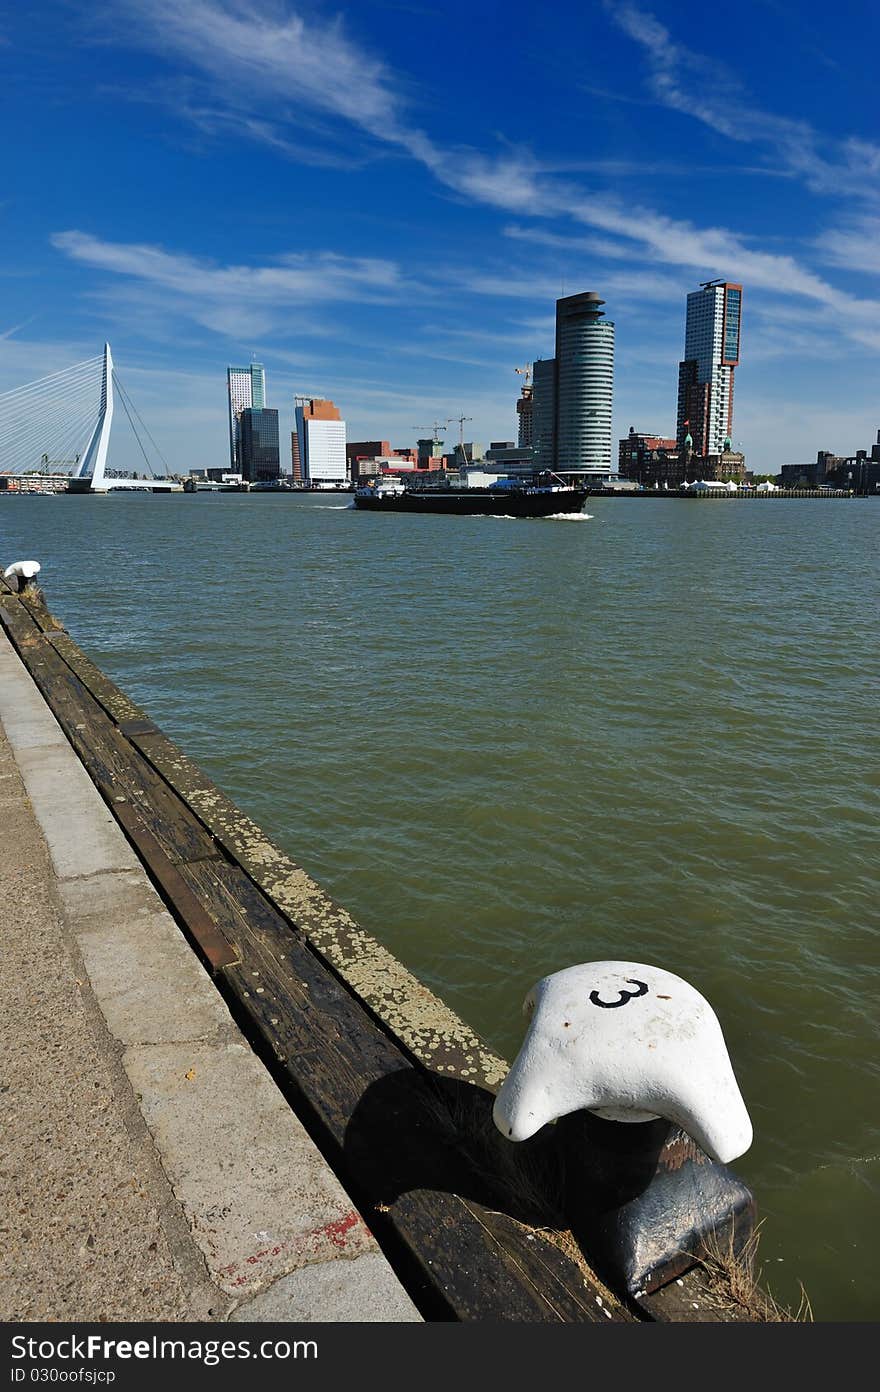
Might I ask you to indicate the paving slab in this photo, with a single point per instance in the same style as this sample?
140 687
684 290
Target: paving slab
82 835
258 1195
330 1290
129 943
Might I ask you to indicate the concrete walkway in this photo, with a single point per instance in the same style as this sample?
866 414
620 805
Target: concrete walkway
149 1167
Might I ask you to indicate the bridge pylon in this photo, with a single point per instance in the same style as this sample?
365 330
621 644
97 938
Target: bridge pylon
89 475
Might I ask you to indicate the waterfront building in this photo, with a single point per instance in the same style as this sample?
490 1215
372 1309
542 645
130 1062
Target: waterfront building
468 452
544 412
369 457
321 432
638 455
524 409
859 472
430 453
246 386
258 444
296 472
572 393
510 459
705 375
356 450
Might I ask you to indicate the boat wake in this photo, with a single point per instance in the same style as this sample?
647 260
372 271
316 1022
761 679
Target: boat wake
569 517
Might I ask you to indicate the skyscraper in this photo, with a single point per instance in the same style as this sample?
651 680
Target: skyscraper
524 409
321 432
544 412
258 444
246 387
573 392
705 376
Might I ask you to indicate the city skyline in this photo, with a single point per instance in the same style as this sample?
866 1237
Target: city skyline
406 247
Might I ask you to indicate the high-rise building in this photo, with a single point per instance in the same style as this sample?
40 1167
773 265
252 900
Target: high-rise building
573 392
321 432
584 383
258 444
544 412
705 376
246 387
524 408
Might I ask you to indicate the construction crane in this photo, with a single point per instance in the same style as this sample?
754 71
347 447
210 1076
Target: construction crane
525 372
436 428
461 420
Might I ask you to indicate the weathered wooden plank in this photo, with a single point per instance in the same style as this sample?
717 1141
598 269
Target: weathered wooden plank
115 702
213 935
392 1132
391 1139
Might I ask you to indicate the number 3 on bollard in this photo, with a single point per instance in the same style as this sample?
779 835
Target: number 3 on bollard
624 995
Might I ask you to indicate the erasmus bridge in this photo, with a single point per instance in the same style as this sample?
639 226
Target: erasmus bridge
55 434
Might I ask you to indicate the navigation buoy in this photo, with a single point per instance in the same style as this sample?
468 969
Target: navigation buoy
630 1060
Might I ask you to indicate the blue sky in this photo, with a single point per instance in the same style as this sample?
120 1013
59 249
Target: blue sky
382 203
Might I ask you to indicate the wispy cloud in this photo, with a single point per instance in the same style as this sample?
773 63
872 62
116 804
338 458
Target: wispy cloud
313 67
704 89
855 246
227 299
11 332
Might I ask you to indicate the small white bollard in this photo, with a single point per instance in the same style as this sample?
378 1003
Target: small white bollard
639 1055
23 572
631 1043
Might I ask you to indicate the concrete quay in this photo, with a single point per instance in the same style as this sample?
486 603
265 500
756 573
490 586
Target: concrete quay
150 1169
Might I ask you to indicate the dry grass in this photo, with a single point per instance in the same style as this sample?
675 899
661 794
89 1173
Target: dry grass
735 1282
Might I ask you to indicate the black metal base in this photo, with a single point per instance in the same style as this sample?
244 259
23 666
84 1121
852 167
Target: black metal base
645 1202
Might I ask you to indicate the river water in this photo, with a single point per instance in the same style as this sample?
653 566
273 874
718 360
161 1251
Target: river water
510 746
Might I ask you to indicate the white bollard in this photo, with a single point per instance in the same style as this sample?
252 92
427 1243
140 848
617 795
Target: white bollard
631 1043
23 572
634 1059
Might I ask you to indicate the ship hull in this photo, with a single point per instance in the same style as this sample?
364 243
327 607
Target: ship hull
469 502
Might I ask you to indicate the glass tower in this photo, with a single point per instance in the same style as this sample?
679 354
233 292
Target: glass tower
705 376
259 445
246 387
573 392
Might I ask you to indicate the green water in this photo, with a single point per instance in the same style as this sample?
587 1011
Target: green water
508 747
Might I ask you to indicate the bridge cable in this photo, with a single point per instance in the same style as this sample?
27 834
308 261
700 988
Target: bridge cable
124 394
136 435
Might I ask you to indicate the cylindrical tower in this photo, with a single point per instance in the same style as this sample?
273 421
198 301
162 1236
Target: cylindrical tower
584 383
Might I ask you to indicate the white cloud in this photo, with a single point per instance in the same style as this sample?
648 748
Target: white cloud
854 246
704 89
293 279
238 301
